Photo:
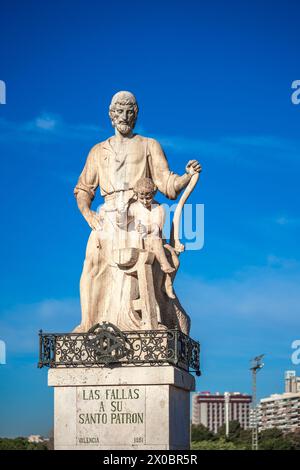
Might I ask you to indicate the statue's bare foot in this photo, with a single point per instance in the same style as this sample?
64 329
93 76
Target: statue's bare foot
79 329
167 268
168 287
162 327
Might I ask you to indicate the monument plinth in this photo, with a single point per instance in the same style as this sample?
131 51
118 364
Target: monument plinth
122 378
120 390
121 408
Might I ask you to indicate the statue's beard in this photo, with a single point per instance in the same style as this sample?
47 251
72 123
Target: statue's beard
123 127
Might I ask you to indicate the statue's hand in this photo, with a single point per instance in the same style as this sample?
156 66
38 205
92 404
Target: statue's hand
122 207
93 219
193 167
141 229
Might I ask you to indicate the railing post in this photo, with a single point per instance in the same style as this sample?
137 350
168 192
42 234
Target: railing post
40 363
176 345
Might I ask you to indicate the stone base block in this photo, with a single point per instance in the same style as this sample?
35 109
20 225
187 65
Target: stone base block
144 407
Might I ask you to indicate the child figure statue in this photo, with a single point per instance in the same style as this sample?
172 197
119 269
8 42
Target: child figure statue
144 219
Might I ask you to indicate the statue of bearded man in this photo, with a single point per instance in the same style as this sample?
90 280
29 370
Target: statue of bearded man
115 166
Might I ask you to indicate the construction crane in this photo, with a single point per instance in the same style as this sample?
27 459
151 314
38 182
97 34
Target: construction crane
256 365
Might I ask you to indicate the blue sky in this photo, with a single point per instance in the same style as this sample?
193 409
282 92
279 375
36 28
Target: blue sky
213 81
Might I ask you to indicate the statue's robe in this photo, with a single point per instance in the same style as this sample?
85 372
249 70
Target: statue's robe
105 290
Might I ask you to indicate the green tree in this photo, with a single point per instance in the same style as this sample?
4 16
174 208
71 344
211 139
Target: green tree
237 435
201 433
217 444
20 443
294 438
245 438
274 439
235 430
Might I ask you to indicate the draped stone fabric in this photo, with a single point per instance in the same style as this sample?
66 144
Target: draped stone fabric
138 157
106 291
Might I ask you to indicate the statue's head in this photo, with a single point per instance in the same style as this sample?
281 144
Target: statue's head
145 190
123 111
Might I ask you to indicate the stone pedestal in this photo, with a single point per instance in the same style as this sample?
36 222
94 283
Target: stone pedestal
125 407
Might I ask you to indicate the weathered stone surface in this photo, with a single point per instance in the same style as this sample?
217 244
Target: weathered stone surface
120 282
146 408
127 281
124 375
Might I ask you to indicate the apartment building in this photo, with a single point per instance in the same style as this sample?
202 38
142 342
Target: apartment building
282 410
210 409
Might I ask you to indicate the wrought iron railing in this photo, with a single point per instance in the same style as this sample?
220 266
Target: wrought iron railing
106 345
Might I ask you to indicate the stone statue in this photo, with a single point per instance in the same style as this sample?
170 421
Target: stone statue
127 277
144 220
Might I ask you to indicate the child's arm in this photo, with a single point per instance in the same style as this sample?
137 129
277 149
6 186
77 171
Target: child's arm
157 223
124 216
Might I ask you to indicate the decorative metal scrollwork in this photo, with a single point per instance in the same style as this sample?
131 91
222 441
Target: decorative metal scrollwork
105 345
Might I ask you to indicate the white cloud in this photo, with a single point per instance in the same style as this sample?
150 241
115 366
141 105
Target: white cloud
274 261
264 294
258 309
287 221
47 127
239 148
249 149
46 122
260 141
19 326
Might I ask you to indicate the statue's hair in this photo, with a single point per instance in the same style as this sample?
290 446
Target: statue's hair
145 185
123 98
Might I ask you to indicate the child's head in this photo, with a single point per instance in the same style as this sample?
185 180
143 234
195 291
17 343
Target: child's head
145 190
